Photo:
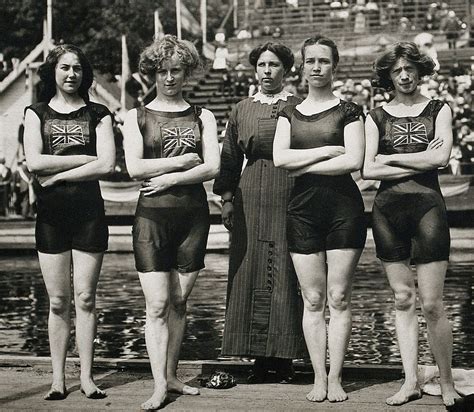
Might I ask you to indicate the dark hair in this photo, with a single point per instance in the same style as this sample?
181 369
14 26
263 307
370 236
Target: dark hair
323 41
46 72
408 50
164 49
280 50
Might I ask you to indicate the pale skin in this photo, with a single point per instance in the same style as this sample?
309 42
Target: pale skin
408 100
325 277
166 293
56 268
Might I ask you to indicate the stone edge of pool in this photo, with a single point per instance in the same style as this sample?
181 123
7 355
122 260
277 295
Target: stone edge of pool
199 367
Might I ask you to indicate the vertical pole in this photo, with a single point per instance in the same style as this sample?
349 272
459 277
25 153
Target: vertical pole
310 11
178 18
236 22
155 20
246 10
204 21
45 39
49 19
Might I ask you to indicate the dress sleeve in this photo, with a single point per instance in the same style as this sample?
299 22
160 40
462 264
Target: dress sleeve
101 111
232 158
352 113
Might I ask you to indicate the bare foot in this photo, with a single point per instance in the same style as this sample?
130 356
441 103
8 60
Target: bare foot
156 401
449 394
90 389
407 393
319 392
56 393
335 391
175 385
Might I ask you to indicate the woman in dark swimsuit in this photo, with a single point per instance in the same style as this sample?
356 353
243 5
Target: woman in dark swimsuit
173 147
407 141
321 140
69 145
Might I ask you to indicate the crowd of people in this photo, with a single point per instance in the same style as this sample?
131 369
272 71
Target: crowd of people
294 211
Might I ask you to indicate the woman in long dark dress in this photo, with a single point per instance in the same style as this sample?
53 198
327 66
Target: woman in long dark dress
407 141
263 318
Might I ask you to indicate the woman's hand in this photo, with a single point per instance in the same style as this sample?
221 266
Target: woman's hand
435 144
47 180
334 151
190 160
156 184
228 215
298 172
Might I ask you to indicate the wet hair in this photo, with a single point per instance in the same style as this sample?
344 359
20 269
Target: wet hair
323 41
280 50
47 72
408 50
164 49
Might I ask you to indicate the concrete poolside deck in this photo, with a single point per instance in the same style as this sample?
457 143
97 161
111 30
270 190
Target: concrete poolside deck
24 380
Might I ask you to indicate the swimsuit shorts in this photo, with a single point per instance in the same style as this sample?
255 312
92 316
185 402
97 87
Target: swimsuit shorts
89 236
325 219
170 238
411 231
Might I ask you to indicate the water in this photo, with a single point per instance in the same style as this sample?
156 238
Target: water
121 309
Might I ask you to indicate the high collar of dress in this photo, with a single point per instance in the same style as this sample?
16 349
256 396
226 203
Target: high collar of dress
271 98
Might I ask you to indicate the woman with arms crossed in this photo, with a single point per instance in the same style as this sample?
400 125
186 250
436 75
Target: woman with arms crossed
321 140
263 314
173 147
69 145
407 141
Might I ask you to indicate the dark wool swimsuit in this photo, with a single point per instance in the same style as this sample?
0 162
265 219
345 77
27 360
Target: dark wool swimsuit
324 212
409 214
70 215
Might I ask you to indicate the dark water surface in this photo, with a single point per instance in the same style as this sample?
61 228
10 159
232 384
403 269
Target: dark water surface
121 312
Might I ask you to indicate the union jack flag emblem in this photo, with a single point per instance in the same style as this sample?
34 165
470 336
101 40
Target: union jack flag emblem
408 133
178 137
67 134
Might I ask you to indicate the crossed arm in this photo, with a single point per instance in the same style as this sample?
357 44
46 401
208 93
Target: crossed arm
160 174
327 160
396 166
51 169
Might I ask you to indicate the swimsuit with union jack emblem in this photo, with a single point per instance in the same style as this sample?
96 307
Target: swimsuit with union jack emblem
401 206
66 134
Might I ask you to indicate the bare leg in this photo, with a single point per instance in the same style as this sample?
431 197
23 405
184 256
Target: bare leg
155 286
181 285
56 270
341 266
86 268
431 283
402 283
311 271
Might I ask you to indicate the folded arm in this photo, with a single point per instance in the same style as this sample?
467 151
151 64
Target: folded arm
348 162
45 164
102 166
428 159
373 168
291 159
208 170
140 168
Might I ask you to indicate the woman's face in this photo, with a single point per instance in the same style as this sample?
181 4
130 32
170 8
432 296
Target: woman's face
270 72
318 65
170 77
68 73
405 77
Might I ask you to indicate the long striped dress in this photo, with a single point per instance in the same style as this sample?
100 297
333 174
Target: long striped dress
264 309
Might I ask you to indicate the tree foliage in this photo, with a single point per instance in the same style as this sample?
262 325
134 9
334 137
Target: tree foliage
96 26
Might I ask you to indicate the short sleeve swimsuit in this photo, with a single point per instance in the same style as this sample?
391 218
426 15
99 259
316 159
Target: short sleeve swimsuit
70 215
324 212
409 214
171 227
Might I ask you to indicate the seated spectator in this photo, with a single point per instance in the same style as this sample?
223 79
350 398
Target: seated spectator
221 56
5 182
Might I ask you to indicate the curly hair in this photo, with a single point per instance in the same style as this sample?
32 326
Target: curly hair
323 41
164 49
47 75
280 50
408 50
